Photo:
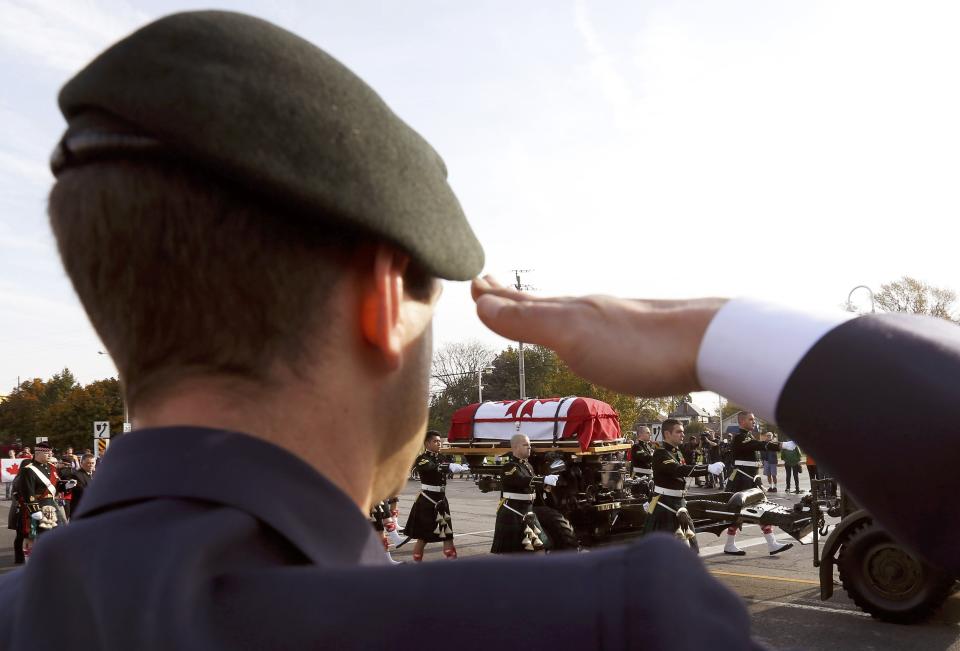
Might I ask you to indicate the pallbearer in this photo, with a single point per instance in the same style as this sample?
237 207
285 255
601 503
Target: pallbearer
641 454
668 509
429 519
745 464
517 528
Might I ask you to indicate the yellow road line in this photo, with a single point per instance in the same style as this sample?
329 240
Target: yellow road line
764 576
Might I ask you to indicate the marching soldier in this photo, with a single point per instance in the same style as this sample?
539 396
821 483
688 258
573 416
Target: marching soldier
39 493
429 519
744 476
381 519
517 528
667 510
641 454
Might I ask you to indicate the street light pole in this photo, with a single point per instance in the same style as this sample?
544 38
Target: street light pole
123 397
480 372
873 309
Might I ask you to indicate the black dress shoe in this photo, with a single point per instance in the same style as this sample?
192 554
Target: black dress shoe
739 552
782 549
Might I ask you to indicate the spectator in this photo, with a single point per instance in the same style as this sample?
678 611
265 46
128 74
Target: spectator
812 467
25 454
84 475
791 464
770 462
17 517
712 454
70 459
9 485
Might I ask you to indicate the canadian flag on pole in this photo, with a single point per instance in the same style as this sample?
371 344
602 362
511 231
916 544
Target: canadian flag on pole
9 470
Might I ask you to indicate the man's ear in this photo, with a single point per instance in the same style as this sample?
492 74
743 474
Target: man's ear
383 295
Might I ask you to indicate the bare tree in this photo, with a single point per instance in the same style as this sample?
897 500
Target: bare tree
916 297
457 360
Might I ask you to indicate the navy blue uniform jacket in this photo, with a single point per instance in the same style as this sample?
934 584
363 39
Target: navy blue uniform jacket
203 539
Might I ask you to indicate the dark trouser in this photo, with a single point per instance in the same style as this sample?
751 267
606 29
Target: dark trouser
795 471
813 472
18 548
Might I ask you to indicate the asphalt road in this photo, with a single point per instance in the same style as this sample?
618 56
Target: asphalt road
781 592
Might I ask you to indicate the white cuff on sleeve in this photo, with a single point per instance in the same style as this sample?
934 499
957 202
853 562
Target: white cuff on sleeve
751 348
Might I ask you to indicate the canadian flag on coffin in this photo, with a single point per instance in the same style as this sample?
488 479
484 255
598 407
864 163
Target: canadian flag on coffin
9 470
583 419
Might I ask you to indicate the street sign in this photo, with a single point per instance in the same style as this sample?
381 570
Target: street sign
127 427
42 439
101 429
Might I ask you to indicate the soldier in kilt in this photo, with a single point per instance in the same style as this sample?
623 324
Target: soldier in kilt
429 519
668 508
744 477
517 528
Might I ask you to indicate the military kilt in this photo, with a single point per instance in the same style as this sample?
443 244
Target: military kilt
429 518
663 519
741 481
511 533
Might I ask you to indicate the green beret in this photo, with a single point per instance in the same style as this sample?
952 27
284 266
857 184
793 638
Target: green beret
262 107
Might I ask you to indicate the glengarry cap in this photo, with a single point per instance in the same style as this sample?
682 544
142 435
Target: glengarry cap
262 107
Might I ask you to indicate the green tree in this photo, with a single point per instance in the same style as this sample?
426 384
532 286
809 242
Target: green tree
694 427
58 387
21 412
653 409
70 421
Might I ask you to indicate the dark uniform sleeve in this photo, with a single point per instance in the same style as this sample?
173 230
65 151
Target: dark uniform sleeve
426 462
842 399
640 455
515 479
665 464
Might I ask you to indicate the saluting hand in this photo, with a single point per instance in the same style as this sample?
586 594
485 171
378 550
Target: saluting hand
638 347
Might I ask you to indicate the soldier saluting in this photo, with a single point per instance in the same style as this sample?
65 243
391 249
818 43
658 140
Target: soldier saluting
667 510
429 519
745 464
641 454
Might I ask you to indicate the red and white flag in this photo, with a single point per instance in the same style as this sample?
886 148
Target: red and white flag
9 469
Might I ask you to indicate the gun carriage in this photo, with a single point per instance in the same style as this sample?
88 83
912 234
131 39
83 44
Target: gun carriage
595 500
882 577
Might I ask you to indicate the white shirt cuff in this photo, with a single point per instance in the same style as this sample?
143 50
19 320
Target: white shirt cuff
751 348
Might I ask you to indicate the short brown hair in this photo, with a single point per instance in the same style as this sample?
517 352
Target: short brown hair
181 273
669 425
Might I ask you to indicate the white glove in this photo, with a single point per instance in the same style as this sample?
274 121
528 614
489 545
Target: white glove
38 516
788 445
459 467
716 468
550 480
71 484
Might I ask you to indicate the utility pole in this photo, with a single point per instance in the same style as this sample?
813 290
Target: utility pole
520 287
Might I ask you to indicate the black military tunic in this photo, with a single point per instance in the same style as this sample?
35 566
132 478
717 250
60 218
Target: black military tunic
37 494
746 461
641 456
511 532
429 517
669 476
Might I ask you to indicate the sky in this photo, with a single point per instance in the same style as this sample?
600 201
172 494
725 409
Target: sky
782 150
